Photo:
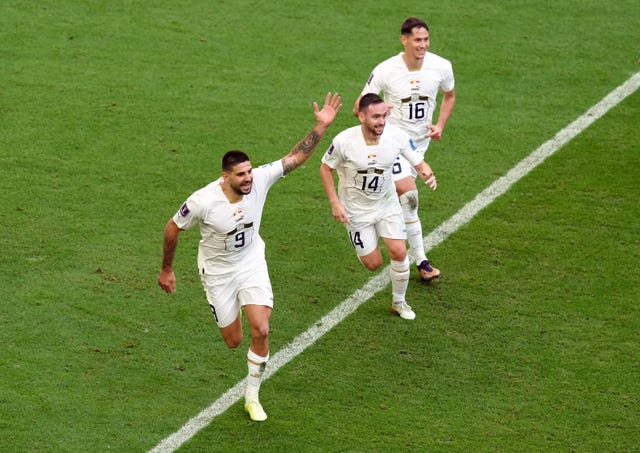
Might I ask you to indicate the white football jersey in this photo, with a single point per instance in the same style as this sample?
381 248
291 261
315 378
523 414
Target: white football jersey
365 171
229 231
412 94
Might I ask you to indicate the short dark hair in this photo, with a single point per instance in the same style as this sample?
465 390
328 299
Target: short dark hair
367 100
233 158
411 23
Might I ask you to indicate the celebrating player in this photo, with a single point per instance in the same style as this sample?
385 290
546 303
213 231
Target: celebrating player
410 82
366 201
231 254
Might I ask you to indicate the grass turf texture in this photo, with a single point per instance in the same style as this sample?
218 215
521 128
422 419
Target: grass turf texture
113 113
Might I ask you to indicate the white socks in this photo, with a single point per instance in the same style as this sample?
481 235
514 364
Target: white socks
409 203
399 273
256 365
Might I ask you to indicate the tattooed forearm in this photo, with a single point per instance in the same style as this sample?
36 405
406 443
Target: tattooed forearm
309 143
301 151
288 164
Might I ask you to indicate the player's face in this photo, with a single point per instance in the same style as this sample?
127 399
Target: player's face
374 118
240 178
416 44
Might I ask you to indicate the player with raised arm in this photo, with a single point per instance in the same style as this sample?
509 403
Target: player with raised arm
366 201
231 254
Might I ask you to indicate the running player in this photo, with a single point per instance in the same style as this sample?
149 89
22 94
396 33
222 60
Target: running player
366 201
410 82
231 254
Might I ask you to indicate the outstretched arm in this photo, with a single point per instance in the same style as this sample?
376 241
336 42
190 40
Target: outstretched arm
303 150
166 278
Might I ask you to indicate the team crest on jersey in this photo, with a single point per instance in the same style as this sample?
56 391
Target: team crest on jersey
184 210
372 159
238 214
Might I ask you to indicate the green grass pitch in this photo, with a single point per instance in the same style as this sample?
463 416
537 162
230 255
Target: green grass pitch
112 113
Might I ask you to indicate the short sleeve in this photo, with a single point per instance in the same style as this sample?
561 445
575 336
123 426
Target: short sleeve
188 215
448 82
331 156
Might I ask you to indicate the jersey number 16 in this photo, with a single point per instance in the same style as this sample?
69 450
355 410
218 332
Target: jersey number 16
417 111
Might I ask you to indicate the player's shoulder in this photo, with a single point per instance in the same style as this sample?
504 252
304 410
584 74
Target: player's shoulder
343 141
267 174
396 135
347 135
391 130
394 62
208 193
435 60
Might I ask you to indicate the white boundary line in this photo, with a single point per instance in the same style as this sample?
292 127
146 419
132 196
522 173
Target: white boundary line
381 280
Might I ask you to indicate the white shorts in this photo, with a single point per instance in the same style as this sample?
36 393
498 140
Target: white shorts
403 168
364 236
227 295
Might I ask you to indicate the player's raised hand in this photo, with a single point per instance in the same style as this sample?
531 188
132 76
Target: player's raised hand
331 107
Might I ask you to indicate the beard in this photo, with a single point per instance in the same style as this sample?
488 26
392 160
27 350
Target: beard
242 191
375 130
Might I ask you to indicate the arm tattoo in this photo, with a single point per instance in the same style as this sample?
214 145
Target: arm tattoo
306 147
309 143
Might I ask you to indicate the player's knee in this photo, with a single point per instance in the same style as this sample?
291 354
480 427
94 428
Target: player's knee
409 202
232 336
373 266
371 262
400 266
233 342
260 333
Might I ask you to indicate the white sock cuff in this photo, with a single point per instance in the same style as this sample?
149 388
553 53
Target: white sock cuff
400 266
255 358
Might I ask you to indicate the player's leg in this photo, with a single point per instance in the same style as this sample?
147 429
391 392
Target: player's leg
221 294
399 273
392 231
232 333
257 303
258 317
364 240
257 358
373 260
408 195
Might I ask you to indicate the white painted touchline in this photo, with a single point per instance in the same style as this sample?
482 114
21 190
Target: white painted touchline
381 280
